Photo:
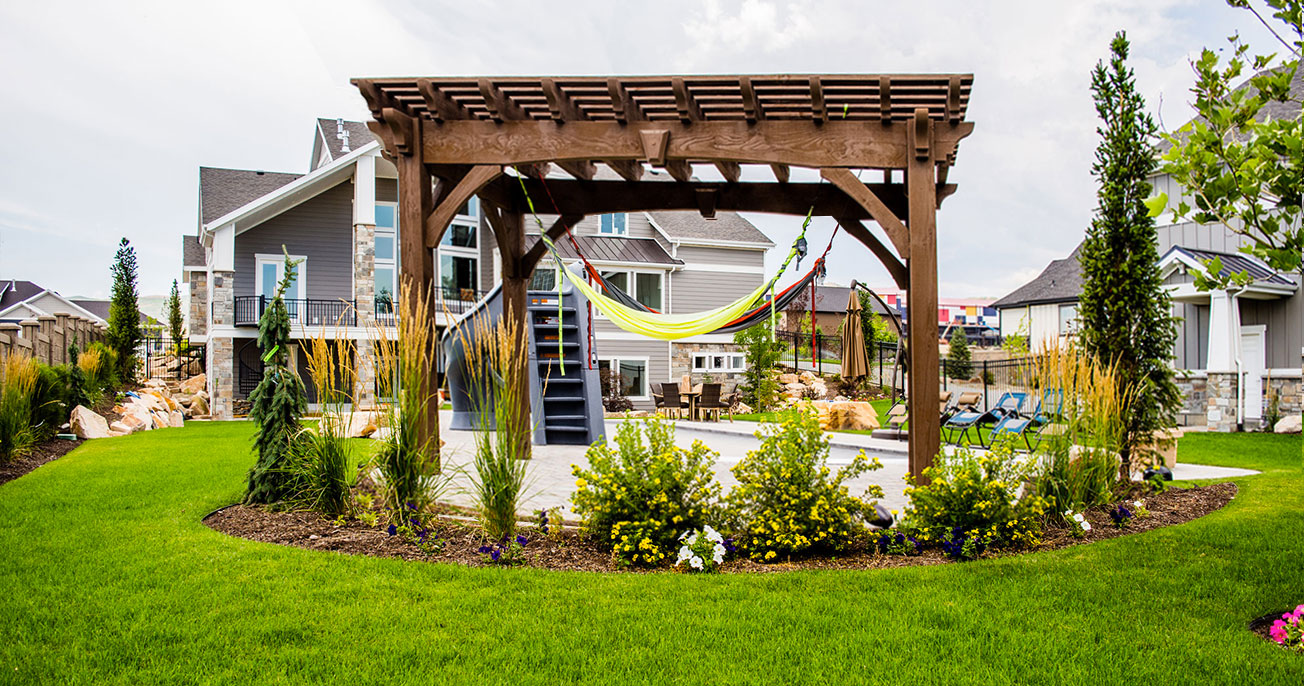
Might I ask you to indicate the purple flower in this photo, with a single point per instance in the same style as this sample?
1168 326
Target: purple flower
411 506
521 540
729 546
392 529
495 554
485 549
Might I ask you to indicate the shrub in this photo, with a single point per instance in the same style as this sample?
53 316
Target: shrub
702 551
1288 631
638 496
56 391
613 398
18 377
319 467
958 359
98 364
975 496
785 502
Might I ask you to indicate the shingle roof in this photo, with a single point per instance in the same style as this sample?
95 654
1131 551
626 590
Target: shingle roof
224 190
1272 109
359 135
612 249
192 252
13 292
100 308
1234 263
727 226
1060 281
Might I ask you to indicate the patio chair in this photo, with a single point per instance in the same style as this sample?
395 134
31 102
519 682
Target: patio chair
898 416
1050 408
1008 405
710 400
1012 425
944 399
671 400
967 401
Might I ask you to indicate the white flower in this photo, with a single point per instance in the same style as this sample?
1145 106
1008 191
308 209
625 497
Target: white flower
685 535
1139 503
1086 526
1079 518
713 535
718 555
1068 513
684 554
696 562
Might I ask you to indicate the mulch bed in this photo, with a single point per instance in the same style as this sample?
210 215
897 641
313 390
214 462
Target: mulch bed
40 454
566 550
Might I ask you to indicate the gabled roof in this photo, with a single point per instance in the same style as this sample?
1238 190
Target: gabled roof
1232 264
1273 109
13 292
192 252
1060 281
613 249
359 135
727 227
222 191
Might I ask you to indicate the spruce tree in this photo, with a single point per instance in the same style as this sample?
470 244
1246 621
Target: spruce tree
124 311
958 359
278 401
176 321
1125 313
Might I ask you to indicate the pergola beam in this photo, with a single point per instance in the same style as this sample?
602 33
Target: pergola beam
443 214
851 144
898 271
867 199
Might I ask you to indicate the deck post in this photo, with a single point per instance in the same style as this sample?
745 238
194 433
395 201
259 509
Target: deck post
925 420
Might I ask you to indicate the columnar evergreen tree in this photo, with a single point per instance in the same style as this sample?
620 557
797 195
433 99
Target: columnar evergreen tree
278 401
124 311
176 321
958 359
1125 314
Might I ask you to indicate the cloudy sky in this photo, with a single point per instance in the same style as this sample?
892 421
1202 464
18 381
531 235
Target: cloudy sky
111 108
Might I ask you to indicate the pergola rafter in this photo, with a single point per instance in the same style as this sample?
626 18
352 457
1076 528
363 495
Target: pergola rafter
452 138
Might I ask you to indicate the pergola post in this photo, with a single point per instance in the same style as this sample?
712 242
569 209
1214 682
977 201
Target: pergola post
921 302
509 232
417 262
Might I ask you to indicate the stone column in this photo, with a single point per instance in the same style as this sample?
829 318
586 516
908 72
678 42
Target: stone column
53 355
30 328
221 377
9 334
198 323
364 396
1222 410
66 335
223 307
364 273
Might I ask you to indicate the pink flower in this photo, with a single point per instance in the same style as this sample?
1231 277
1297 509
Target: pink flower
1278 632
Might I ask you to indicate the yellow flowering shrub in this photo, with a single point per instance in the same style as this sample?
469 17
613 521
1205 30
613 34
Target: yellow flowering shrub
641 494
976 496
787 502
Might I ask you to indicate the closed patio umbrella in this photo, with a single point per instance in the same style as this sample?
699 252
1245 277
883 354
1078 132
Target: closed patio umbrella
855 362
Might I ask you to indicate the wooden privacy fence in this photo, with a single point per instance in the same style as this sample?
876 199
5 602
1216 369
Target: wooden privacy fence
46 338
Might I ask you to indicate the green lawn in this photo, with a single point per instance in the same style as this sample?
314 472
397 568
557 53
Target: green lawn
108 576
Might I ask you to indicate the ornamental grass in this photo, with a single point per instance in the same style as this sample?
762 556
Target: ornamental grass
18 377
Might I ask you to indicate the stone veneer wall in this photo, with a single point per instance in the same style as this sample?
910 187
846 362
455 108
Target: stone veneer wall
681 361
1194 392
198 303
1288 392
1220 404
221 351
364 294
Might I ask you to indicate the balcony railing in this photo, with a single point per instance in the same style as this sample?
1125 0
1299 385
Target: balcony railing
306 311
454 301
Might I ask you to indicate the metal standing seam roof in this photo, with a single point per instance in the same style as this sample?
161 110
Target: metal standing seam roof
612 249
1235 263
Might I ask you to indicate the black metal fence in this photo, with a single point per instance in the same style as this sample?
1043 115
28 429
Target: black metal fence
308 311
162 359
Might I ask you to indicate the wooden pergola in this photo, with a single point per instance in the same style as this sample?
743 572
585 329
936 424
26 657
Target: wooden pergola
454 138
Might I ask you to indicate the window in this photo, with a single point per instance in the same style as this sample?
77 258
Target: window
461 232
386 260
544 277
633 375
646 286
457 276
727 363
613 224
269 272
1068 320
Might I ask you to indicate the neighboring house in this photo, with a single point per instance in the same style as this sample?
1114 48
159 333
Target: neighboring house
830 309
21 300
1233 347
340 219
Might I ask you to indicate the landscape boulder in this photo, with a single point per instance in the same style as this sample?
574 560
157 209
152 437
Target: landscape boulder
1290 424
788 379
194 384
852 416
129 424
198 406
176 420
86 423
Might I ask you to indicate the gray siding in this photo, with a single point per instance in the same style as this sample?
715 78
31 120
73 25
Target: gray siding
1192 347
320 229
729 256
1284 320
692 291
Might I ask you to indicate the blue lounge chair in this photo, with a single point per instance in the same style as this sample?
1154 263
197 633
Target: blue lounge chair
1050 408
1012 425
1008 405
